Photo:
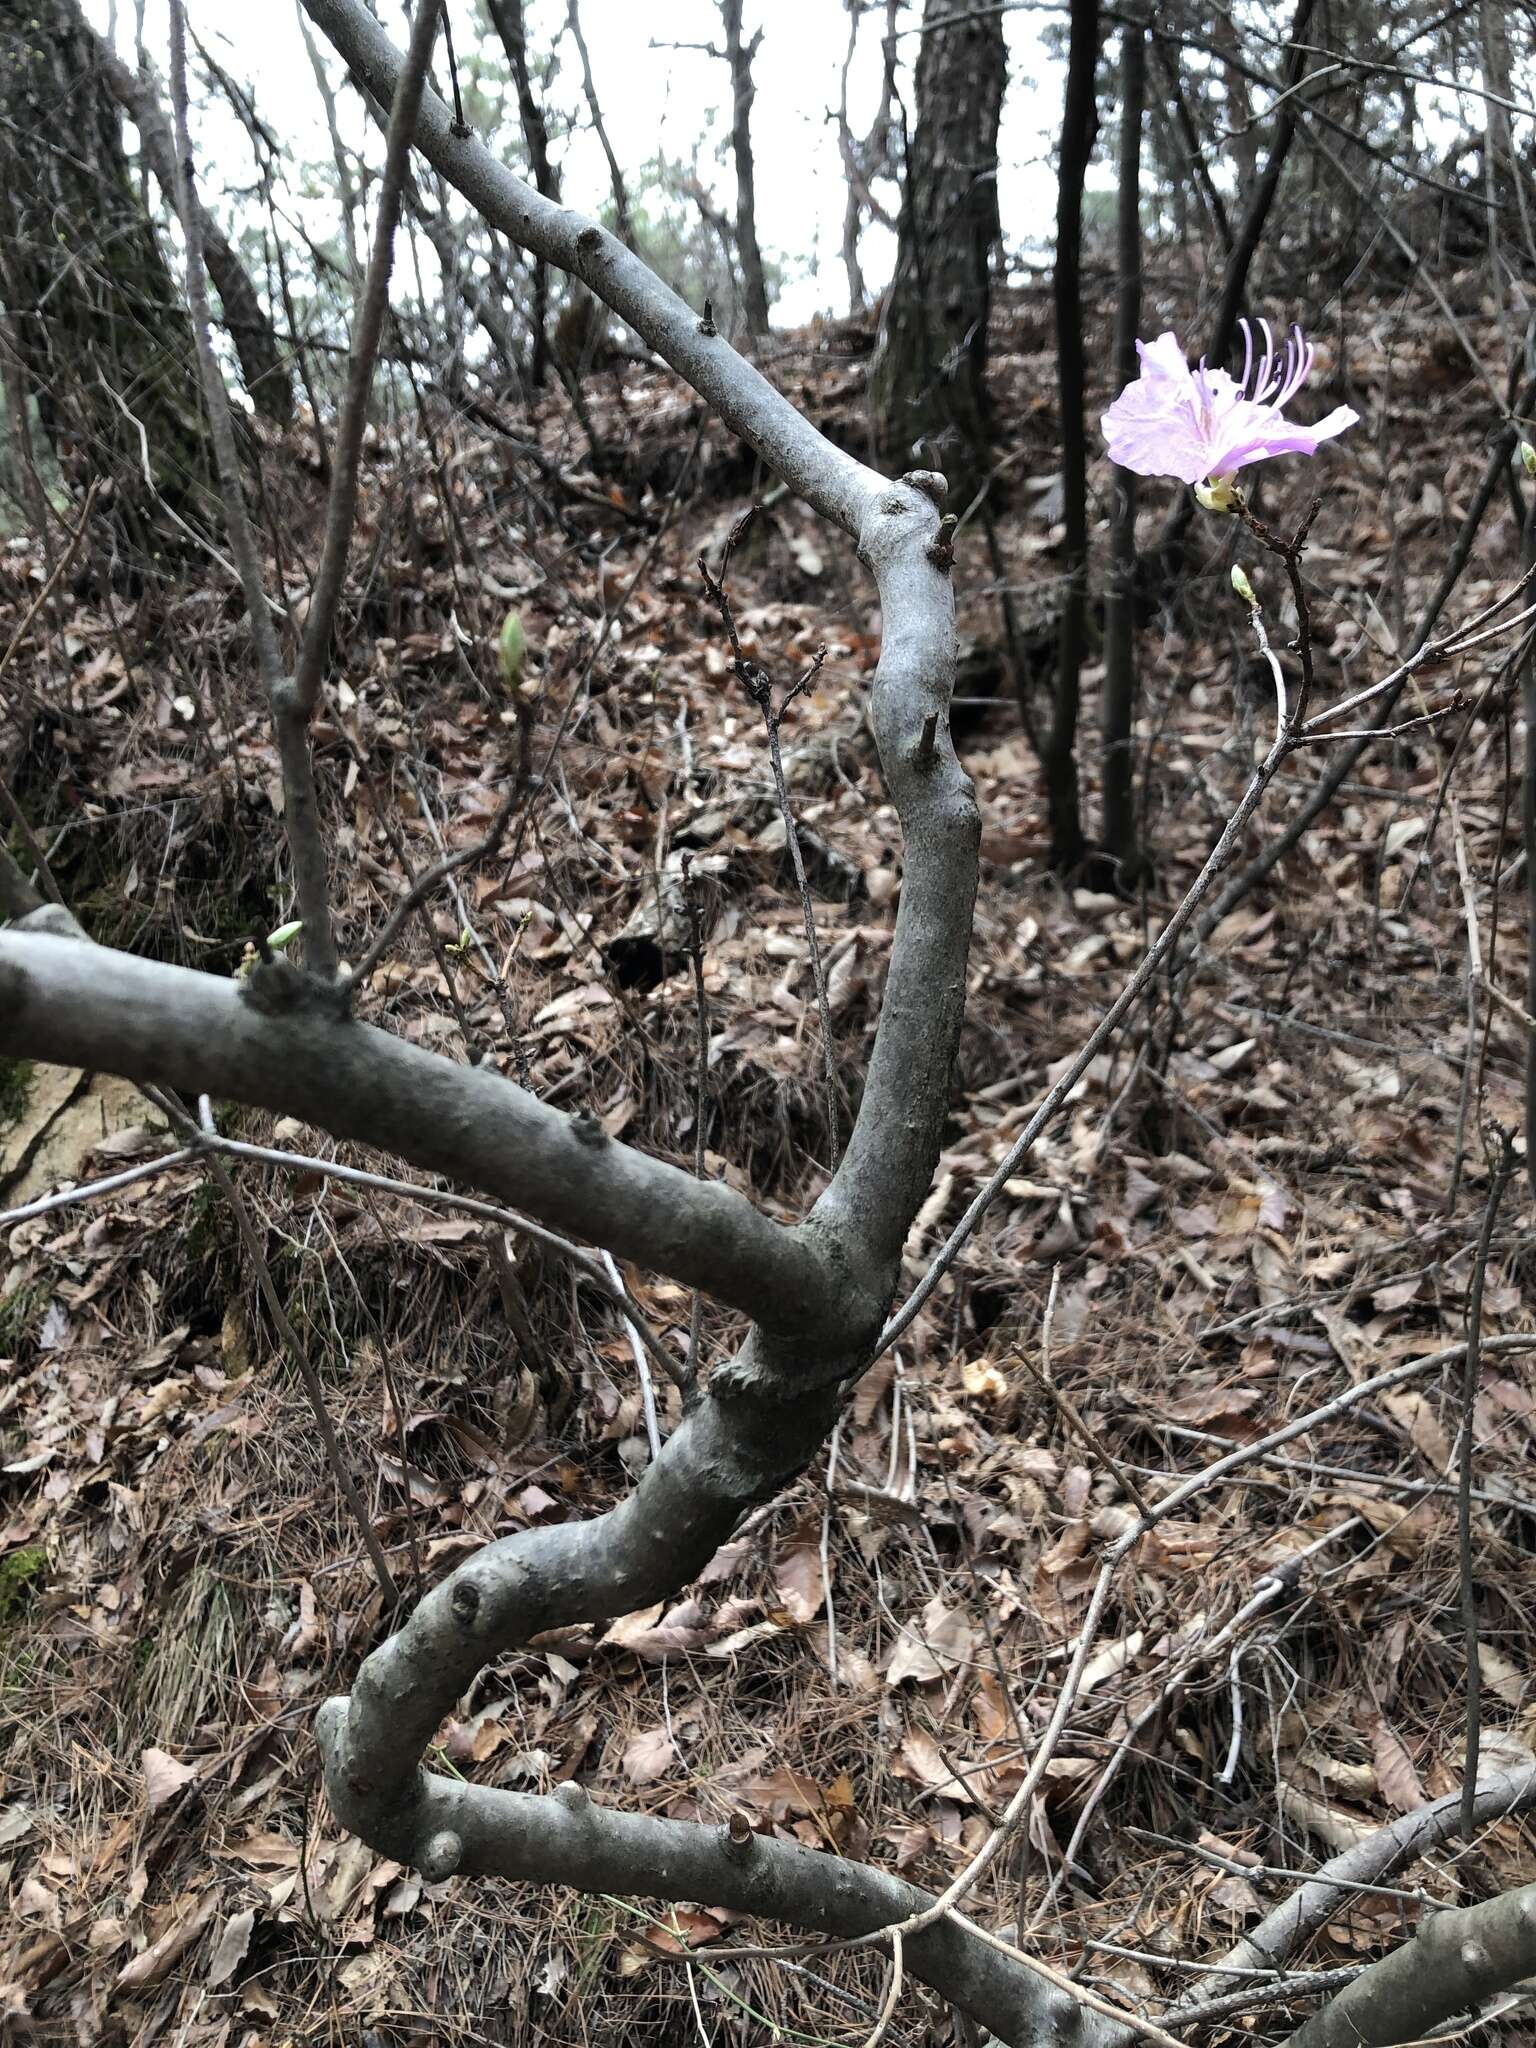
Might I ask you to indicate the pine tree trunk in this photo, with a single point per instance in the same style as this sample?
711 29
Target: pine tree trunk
927 381
96 320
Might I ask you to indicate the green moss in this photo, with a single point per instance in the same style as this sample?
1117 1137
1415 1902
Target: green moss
19 1311
21 1576
15 1087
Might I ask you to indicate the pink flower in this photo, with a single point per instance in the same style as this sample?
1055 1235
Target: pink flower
1202 424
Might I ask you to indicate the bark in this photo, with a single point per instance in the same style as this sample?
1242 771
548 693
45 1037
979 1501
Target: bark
1455 1962
1118 721
928 378
98 324
508 18
263 363
739 55
275 1043
1079 125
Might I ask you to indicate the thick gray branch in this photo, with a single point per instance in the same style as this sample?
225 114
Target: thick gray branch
565 1839
1454 1963
278 1043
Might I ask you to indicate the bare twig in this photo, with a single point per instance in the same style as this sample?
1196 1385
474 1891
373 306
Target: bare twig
1503 1168
367 328
301 822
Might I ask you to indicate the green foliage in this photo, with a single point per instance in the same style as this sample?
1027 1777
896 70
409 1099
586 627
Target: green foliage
21 1576
15 1087
19 1310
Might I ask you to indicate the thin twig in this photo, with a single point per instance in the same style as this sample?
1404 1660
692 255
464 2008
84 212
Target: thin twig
1070 1412
301 821
642 1364
367 328
1471 1373
892 1993
71 547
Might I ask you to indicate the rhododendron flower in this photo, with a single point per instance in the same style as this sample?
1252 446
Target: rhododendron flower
1203 426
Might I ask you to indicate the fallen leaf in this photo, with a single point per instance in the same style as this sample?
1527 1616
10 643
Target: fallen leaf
649 1756
164 1777
230 1949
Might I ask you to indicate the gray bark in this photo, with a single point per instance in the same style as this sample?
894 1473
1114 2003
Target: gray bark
1454 1963
927 380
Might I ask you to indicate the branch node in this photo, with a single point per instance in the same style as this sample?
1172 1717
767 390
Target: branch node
441 1857
740 1840
572 1797
1474 1956
707 324
589 241
941 550
587 1128
465 1602
926 750
931 482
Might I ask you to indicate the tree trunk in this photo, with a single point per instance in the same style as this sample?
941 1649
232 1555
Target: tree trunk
1080 121
928 378
98 324
508 18
739 56
263 364
1118 708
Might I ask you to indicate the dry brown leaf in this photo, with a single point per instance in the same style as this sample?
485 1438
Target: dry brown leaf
649 1755
150 1966
229 1950
798 1580
1335 1825
1400 1783
164 1777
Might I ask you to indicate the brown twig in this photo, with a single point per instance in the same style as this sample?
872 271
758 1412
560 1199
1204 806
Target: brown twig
1502 1169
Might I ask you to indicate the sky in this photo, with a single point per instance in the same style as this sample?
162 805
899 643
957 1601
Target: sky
658 98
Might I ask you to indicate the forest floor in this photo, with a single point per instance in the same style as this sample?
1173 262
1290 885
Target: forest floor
1270 1189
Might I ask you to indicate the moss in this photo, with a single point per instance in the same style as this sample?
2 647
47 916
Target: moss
15 1087
19 1311
21 1577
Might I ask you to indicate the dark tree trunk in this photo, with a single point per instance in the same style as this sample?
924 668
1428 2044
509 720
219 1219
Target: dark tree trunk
99 327
928 378
1118 708
1080 122
264 367
508 18
739 56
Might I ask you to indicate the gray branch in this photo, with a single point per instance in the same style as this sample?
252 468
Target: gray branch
1455 1962
277 1042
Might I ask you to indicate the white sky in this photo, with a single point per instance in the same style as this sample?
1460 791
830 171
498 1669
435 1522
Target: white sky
666 99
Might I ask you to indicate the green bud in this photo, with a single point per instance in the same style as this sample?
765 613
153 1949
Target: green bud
1218 494
1528 458
513 647
1243 587
285 935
